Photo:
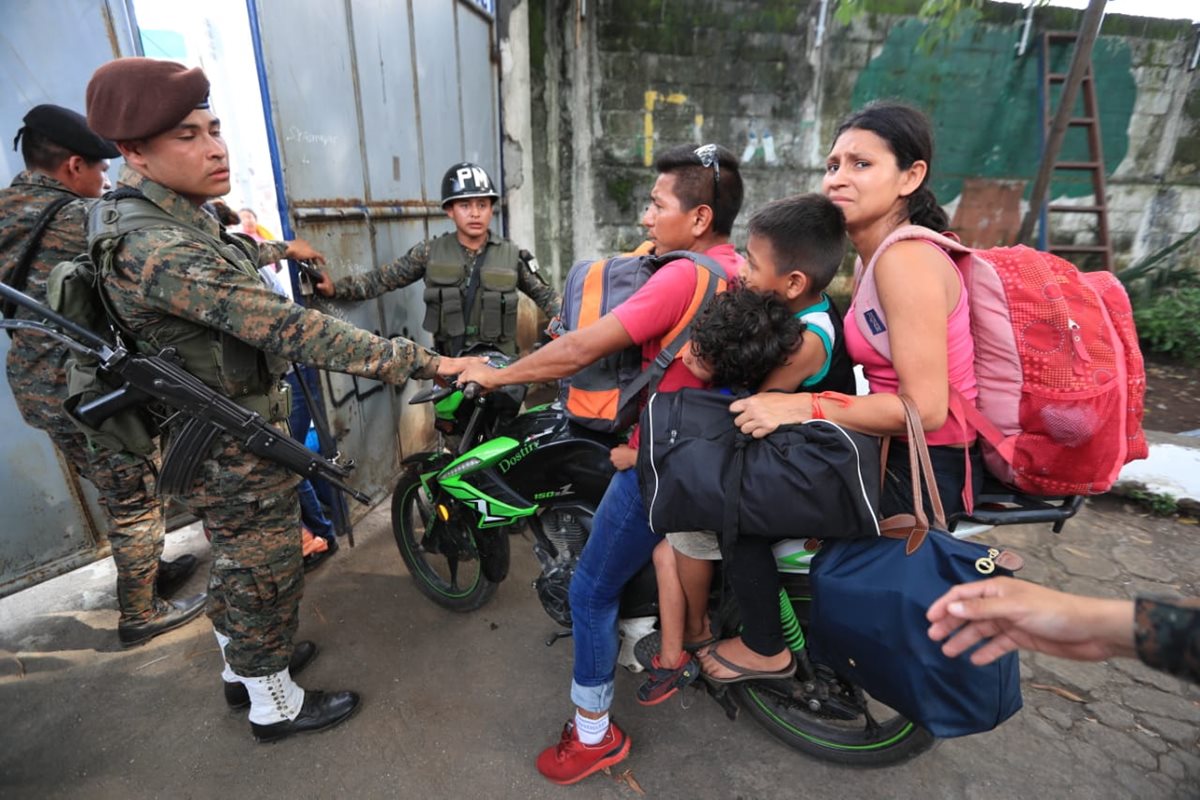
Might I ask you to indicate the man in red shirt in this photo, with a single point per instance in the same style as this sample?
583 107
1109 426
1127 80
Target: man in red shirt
693 204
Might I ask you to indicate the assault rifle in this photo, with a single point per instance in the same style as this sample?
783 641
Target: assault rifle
160 378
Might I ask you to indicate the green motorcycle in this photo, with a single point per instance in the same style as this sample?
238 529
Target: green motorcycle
454 508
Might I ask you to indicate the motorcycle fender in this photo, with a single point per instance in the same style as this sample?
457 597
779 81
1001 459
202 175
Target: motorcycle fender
493 548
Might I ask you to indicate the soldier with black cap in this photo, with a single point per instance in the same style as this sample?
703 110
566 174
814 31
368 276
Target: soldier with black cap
179 287
472 276
42 216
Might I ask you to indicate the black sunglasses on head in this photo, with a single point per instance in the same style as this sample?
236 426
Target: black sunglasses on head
709 157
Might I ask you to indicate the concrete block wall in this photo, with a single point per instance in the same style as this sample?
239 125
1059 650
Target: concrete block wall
613 81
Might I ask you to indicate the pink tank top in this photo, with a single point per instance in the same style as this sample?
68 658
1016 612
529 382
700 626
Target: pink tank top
960 349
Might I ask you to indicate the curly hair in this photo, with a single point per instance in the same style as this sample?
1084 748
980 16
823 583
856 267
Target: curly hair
742 335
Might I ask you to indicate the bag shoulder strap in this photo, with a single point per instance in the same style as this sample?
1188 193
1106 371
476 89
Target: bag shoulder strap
127 210
119 213
19 276
710 279
868 312
914 527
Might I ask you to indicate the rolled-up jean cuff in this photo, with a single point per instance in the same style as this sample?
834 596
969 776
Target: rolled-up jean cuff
592 698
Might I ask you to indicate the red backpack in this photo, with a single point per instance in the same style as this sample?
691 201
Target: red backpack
1060 374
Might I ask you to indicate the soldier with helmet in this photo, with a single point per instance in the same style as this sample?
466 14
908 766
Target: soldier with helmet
42 217
193 288
472 276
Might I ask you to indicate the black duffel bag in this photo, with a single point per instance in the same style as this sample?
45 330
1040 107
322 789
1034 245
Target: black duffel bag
697 471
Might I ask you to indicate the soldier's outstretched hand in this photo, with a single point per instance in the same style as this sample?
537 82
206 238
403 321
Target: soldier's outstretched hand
324 284
303 251
1007 614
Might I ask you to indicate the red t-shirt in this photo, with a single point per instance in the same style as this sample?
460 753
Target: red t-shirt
659 305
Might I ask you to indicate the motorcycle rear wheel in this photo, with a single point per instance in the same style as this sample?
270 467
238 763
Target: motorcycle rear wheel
439 577
881 737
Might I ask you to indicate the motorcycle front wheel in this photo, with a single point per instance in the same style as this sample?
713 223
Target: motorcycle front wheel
441 554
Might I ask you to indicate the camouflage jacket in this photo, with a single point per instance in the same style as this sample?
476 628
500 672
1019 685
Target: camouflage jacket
164 272
410 268
34 360
1167 634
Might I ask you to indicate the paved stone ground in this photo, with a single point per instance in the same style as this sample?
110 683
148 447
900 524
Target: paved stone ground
1120 719
458 705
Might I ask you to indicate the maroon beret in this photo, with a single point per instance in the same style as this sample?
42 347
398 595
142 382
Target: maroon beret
135 98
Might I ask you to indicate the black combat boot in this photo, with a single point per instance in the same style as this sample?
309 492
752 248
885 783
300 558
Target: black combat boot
172 575
302 653
282 708
321 710
169 614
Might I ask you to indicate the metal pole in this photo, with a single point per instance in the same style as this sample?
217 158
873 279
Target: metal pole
1088 30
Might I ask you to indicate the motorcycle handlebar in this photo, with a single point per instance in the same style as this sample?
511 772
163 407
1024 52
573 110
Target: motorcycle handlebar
472 390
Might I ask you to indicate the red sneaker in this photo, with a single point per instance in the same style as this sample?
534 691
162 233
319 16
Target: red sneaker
571 760
662 683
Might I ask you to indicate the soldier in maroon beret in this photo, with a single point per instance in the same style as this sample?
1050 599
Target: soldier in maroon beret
200 291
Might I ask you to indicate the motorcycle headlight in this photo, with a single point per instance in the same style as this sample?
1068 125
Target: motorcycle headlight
459 469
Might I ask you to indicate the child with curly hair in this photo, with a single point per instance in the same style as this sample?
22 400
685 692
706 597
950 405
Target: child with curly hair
778 330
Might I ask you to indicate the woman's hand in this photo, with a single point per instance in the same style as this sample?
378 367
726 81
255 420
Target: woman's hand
761 414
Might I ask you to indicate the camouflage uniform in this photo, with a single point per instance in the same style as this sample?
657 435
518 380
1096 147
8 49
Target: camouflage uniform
411 267
36 374
248 504
1167 633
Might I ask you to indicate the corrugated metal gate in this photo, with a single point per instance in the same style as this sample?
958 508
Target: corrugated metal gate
370 101
366 116
49 517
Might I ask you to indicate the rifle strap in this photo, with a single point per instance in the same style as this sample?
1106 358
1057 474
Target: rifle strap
469 300
329 450
20 273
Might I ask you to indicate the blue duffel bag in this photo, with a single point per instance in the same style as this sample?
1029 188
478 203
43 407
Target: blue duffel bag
868 619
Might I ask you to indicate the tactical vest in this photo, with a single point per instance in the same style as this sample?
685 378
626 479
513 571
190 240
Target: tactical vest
492 317
245 374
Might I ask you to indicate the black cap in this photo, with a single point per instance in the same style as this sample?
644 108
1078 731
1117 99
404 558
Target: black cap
66 129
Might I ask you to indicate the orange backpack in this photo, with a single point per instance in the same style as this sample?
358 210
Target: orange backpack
604 396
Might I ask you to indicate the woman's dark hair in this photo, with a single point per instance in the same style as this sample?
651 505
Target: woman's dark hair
742 335
909 135
694 183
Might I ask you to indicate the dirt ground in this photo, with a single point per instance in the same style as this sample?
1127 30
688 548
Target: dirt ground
1172 396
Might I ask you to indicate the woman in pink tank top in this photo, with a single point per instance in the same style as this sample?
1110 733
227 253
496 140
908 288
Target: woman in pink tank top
877 172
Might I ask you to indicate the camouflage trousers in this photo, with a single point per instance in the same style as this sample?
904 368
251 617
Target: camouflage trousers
251 514
127 489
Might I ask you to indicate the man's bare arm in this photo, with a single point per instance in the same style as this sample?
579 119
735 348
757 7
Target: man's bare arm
559 359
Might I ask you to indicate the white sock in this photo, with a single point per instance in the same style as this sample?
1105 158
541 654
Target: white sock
227 674
590 731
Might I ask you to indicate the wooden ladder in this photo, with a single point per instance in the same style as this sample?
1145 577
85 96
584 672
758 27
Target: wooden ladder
1094 163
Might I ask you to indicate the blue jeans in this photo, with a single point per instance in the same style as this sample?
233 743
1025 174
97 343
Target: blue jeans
621 544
